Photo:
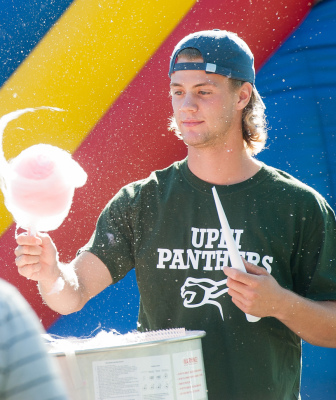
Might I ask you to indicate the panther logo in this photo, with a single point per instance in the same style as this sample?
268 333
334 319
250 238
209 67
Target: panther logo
197 292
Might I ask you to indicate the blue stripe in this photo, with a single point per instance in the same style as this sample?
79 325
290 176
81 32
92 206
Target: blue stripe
23 23
299 85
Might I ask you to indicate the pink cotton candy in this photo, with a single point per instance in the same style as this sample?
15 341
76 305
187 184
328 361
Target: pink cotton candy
39 185
43 180
37 167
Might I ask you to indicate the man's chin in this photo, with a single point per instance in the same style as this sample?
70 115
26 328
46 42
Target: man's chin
193 140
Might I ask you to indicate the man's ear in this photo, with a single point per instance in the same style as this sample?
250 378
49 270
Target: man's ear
244 95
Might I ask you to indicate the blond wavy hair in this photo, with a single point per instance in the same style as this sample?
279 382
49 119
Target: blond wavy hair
254 126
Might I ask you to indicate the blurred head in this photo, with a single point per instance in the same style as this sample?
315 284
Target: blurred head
224 53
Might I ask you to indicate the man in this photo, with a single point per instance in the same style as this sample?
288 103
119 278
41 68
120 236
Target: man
167 228
26 370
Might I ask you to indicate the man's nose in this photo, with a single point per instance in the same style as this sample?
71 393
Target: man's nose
189 103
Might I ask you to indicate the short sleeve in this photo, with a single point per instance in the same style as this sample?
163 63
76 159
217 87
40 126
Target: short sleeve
112 240
315 278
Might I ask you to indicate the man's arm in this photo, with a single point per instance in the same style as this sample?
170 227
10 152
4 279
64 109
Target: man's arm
258 293
65 288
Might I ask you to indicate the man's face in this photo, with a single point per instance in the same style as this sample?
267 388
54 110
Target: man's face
204 106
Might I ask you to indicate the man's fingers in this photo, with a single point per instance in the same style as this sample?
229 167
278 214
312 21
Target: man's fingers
237 275
245 283
244 277
241 291
28 271
25 259
36 256
235 285
28 250
27 240
254 269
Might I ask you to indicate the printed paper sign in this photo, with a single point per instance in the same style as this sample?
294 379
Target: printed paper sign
189 375
143 378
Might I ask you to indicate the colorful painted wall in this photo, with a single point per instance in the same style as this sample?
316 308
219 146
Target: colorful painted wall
105 62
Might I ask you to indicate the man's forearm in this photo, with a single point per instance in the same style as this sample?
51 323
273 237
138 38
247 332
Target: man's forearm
313 321
258 293
62 295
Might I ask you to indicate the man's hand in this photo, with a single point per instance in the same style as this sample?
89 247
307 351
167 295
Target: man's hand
82 279
36 258
255 292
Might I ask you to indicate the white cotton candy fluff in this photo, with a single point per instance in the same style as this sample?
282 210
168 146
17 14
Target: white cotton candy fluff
39 185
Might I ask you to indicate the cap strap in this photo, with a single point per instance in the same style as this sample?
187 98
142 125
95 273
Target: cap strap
208 67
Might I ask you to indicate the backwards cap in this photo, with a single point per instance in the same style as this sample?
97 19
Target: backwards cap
223 53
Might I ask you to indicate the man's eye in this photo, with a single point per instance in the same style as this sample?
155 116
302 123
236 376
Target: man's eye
203 92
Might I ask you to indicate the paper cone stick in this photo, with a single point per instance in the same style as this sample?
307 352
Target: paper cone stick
235 257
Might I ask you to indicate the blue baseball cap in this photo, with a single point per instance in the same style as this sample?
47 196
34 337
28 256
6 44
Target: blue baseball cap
223 53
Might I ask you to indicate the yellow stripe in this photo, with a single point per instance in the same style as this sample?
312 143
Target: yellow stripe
82 65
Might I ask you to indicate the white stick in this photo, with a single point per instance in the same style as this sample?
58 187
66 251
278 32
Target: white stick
235 257
32 231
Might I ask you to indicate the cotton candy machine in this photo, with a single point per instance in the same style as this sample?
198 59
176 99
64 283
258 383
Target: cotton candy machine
163 366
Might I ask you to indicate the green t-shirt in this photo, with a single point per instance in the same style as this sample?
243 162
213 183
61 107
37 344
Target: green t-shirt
167 228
